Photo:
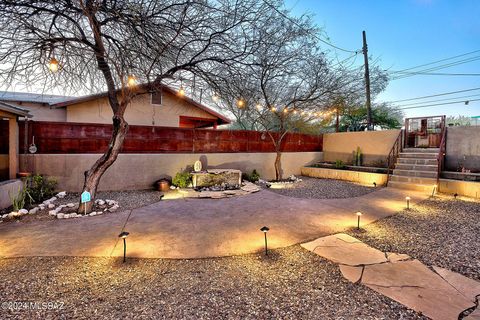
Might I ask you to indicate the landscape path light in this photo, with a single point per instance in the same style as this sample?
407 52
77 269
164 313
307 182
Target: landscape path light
265 230
359 214
124 235
408 202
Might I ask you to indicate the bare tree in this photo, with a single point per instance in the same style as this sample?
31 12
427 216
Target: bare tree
289 81
110 45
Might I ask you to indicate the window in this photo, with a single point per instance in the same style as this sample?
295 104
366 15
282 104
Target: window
157 98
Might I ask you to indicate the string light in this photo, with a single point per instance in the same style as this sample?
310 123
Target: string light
131 81
215 97
258 106
294 111
273 109
285 110
53 65
240 103
181 91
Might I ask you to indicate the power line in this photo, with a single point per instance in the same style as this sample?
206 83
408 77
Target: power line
301 27
436 95
400 76
439 104
437 74
441 100
435 62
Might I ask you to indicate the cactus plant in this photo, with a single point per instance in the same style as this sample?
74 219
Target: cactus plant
357 157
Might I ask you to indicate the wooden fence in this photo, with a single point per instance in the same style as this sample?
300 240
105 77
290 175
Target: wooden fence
77 138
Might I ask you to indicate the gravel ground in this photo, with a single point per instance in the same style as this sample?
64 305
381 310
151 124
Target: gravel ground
314 188
291 283
441 231
126 199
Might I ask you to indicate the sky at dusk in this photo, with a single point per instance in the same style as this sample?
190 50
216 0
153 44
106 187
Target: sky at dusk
404 34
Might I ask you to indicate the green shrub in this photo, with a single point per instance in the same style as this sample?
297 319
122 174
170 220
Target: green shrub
182 179
40 188
251 177
339 164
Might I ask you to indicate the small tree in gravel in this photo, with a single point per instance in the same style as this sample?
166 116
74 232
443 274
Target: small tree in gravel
287 84
112 45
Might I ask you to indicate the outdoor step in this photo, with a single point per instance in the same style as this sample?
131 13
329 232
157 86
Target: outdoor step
416 155
417 167
415 173
421 150
414 161
414 180
410 186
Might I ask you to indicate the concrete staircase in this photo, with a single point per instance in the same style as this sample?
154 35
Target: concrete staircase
416 169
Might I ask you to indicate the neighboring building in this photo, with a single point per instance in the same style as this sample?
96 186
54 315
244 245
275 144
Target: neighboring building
159 108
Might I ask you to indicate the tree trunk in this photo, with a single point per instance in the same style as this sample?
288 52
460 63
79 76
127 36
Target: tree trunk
278 166
92 176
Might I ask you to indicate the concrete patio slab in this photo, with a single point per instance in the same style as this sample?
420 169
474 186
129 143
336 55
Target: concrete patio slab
194 228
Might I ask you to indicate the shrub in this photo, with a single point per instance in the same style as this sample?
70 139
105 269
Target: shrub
182 179
251 177
40 188
339 164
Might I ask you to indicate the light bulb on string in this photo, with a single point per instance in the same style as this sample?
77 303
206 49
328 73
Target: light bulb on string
240 103
131 81
53 65
258 106
181 91
215 97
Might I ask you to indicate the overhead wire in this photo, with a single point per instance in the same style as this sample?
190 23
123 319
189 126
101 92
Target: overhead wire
436 95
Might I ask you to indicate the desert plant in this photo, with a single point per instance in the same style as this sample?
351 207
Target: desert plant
18 201
254 176
357 157
182 179
39 188
339 164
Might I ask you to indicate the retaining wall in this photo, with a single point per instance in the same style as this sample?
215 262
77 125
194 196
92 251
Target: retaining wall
366 178
463 148
140 171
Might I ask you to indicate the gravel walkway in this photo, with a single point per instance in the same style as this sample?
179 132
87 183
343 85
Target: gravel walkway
314 188
291 284
442 231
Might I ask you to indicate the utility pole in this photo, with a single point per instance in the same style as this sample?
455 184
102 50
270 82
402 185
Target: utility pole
367 82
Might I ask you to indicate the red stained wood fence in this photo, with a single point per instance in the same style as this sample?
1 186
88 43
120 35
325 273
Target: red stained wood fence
66 137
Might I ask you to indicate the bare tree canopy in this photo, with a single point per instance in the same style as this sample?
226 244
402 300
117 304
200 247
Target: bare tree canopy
109 45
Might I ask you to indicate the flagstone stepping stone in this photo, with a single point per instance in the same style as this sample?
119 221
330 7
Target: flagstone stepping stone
352 274
466 286
439 294
344 249
414 285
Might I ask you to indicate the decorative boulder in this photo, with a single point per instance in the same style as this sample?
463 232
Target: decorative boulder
23 211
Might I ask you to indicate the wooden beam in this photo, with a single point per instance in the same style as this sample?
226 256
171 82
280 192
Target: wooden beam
12 148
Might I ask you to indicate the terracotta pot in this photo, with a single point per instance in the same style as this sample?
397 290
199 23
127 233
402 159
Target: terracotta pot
163 185
24 174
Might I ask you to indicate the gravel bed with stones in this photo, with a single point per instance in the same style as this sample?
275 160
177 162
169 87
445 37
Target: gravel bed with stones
291 283
441 231
127 200
314 188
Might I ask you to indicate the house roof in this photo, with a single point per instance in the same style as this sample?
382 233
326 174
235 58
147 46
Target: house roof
16 110
56 101
32 97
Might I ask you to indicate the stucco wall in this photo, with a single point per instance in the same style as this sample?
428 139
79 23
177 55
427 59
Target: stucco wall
140 171
375 145
139 112
9 189
463 148
42 112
